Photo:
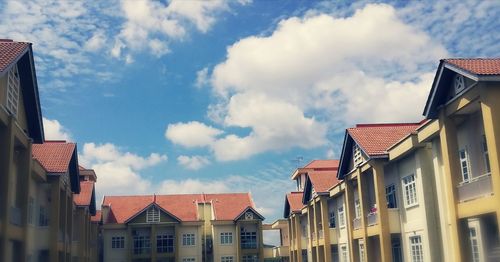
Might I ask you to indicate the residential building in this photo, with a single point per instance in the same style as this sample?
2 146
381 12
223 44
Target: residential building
38 177
191 227
465 137
280 253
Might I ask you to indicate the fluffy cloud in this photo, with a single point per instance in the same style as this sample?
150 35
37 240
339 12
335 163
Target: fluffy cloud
193 162
192 134
316 74
117 170
55 131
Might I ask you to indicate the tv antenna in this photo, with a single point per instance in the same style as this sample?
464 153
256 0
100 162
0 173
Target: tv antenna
297 161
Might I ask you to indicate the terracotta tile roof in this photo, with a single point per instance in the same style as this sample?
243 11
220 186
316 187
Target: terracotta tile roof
295 201
478 66
184 206
55 156
375 139
84 198
96 217
322 181
10 52
323 164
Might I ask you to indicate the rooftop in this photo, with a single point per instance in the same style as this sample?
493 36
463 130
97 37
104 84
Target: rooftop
478 66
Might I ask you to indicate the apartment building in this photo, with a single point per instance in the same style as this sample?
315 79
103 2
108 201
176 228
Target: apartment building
281 252
38 177
191 227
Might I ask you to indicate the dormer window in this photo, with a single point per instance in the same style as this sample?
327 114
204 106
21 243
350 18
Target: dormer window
459 83
248 215
356 155
153 215
12 98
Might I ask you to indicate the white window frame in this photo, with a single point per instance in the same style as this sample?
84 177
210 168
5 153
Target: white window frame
344 253
463 156
416 249
361 249
390 190
249 215
357 156
188 259
118 242
226 238
341 217
357 208
486 156
13 91
458 83
332 222
153 215
189 239
226 258
476 240
409 184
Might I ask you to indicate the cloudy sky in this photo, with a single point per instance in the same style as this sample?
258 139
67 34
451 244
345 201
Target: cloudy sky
216 96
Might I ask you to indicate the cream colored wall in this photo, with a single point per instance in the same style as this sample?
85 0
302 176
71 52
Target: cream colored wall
342 232
226 249
190 251
115 255
469 135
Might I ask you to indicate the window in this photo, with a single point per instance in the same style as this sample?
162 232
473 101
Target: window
153 215
118 242
226 238
334 249
43 217
142 245
396 249
248 240
165 243
464 164
341 217
332 219
410 190
361 246
12 98
189 259
31 207
188 239
474 244
357 208
250 258
356 155
458 83
344 257
486 156
390 194
417 254
248 215
226 259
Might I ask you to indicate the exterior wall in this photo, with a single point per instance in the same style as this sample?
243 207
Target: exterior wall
190 251
224 249
115 255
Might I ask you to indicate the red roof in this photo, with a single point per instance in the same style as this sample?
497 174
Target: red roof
85 196
322 181
478 66
96 217
375 139
295 201
10 52
55 156
330 164
184 207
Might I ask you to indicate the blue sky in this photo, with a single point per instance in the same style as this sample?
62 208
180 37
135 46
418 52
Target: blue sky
185 96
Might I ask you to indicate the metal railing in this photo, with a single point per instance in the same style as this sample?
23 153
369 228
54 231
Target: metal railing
372 219
476 187
15 216
356 223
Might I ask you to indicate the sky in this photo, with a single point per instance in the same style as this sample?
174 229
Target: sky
232 96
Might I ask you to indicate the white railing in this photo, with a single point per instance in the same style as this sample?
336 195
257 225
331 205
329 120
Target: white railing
372 219
476 187
356 223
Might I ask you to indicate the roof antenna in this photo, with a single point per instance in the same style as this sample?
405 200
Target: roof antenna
297 161
154 198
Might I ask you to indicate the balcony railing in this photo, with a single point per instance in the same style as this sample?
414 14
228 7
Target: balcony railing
356 223
474 188
321 234
15 216
372 219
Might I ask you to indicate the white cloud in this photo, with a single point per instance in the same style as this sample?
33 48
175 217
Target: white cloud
192 134
96 42
55 131
202 78
193 162
317 74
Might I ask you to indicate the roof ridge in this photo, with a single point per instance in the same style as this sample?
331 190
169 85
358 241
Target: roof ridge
386 124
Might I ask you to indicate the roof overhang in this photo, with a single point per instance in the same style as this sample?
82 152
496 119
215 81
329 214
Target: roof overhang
249 208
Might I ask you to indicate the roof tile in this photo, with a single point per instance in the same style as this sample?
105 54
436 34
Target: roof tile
295 201
55 156
85 196
478 66
322 181
10 52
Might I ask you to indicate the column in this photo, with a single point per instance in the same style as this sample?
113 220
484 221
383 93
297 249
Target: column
153 243
383 215
298 243
349 215
326 228
6 160
54 211
362 203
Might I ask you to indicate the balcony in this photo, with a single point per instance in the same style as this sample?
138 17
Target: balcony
475 188
15 216
282 251
356 223
372 219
